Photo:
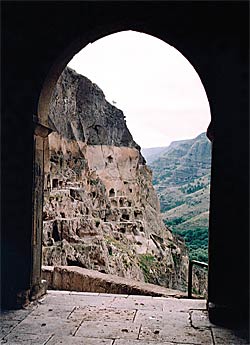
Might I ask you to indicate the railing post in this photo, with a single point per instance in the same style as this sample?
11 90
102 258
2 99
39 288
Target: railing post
190 278
190 274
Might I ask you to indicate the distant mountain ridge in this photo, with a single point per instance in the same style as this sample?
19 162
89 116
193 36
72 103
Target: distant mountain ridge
181 177
180 162
153 153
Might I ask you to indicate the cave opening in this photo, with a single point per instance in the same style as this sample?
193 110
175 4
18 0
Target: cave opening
110 159
55 183
125 216
55 232
112 193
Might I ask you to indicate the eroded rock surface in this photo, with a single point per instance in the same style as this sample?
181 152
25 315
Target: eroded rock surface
101 211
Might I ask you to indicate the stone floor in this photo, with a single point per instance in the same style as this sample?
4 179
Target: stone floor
95 319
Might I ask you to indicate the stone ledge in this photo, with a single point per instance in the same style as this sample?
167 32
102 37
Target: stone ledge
72 278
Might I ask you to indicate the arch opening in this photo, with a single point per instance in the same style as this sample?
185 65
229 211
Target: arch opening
91 138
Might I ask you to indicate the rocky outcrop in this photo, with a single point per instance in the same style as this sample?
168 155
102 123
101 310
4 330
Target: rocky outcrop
79 111
101 211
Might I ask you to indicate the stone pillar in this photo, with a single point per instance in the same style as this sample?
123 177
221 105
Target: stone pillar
41 132
228 284
16 204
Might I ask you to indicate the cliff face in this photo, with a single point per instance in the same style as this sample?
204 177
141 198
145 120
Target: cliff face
100 209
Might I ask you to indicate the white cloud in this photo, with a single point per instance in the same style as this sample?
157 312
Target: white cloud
159 91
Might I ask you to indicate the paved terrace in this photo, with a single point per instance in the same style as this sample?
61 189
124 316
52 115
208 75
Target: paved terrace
103 319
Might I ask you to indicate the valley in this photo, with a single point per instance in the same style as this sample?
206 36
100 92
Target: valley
181 177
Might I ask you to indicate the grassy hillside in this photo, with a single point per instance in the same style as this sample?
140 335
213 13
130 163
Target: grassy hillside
181 177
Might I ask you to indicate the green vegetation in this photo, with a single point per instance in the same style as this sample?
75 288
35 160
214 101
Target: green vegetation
189 189
199 254
174 221
112 241
166 206
196 241
161 177
94 182
146 261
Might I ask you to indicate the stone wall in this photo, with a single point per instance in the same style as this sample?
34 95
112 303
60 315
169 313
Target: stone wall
81 279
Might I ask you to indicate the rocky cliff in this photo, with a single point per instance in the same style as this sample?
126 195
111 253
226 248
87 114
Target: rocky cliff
101 211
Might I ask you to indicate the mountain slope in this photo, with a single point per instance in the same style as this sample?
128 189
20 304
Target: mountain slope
181 177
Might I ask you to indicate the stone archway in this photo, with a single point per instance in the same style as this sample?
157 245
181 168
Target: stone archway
45 96
204 34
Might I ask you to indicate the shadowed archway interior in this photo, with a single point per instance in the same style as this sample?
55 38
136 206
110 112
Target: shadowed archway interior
35 54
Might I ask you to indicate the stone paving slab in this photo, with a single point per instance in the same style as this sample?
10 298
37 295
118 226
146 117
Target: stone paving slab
199 318
80 293
58 340
183 304
142 342
6 327
137 303
224 336
101 319
113 330
142 297
26 339
47 325
79 300
14 315
53 310
114 295
102 314
156 318
176 333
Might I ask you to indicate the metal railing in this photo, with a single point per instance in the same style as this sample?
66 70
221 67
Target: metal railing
190 274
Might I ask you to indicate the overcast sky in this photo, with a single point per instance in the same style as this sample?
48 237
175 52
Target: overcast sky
155 86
